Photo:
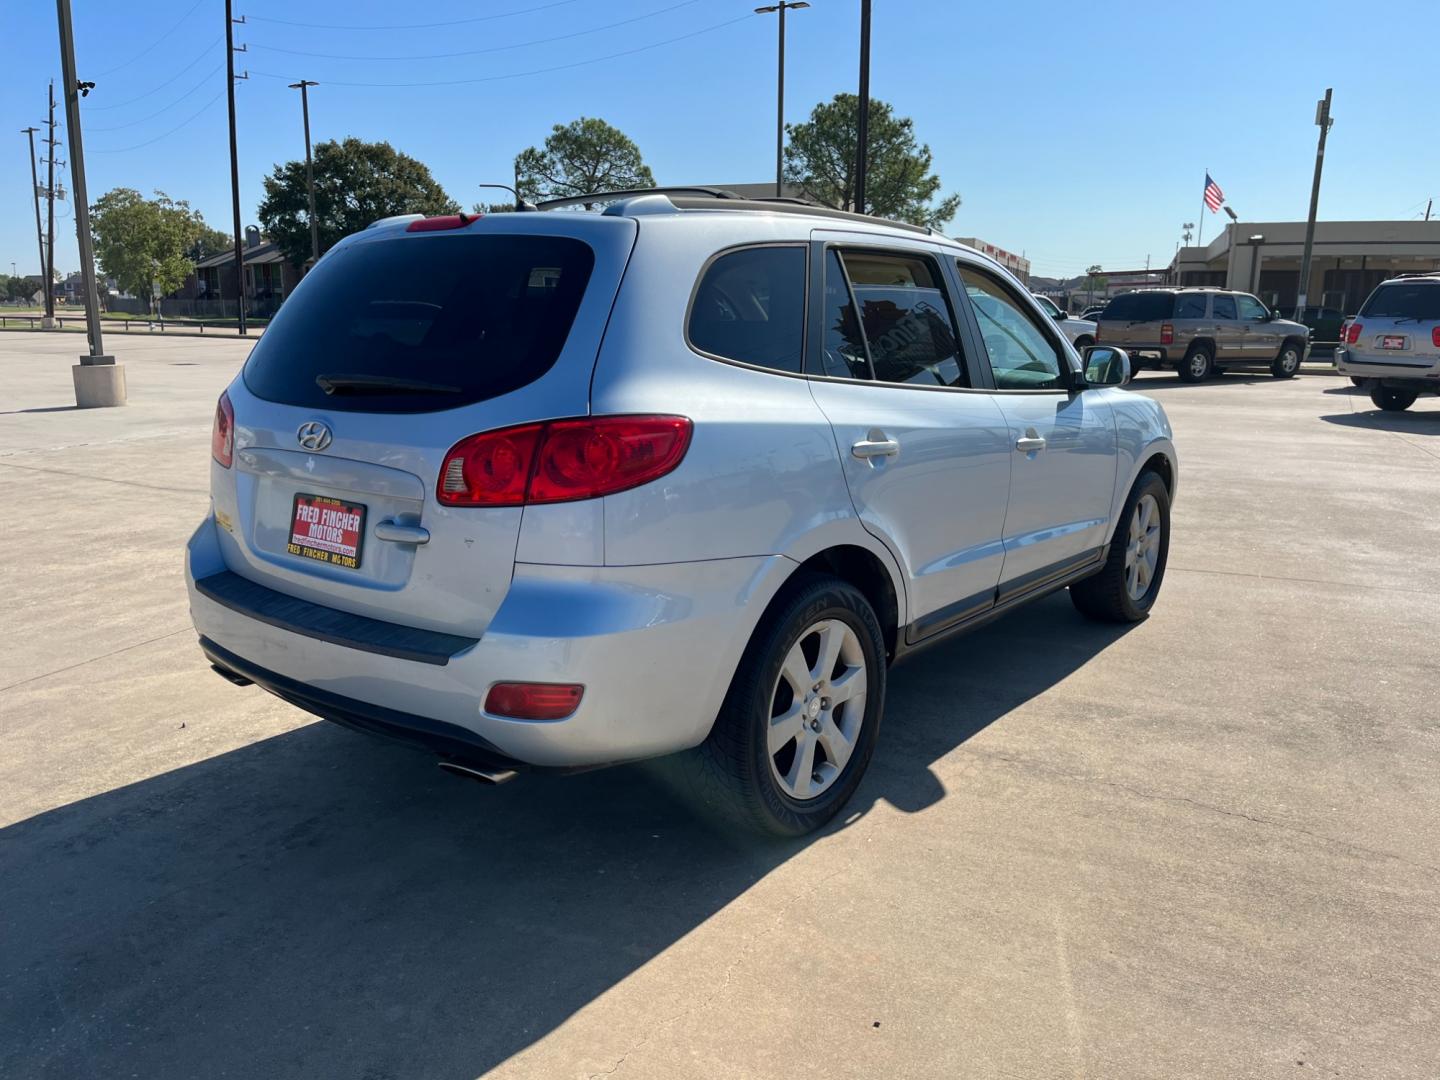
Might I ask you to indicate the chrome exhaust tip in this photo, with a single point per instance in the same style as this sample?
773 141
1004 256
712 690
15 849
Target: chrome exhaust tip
481 773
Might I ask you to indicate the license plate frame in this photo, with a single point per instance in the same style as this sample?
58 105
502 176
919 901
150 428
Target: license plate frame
1392 341
333 546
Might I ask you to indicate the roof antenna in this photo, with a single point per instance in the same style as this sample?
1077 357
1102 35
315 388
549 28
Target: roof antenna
520 204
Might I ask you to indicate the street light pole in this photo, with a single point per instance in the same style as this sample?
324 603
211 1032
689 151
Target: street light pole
304 87
862 133
35 191
1322 119
98 379
782 7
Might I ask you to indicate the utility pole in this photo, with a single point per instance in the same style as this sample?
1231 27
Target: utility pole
781 7
235 167
35 191
1322 119
48 270
304 87
862 135
98 379
1429 203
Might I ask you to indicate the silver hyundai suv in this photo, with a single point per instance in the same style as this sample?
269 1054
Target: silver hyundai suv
556 490
1392 348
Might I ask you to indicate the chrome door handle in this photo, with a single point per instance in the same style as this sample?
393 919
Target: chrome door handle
399 533
1030 442
875 447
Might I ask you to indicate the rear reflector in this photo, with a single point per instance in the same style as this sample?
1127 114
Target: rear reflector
444 221
222 434
533 701
561 460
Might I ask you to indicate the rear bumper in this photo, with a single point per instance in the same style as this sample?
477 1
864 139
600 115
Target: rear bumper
1423 376
654 646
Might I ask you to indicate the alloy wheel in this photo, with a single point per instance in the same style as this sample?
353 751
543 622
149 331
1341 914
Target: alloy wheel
817 708
1289 361
1142 550
1198 364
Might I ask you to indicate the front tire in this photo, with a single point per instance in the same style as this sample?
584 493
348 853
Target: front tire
1126 587
1393 400
1287 363
1198 364
799 723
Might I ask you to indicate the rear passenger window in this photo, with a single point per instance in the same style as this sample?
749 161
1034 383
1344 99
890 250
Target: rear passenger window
904 324
1140 307
1224 307
1190 306
750 307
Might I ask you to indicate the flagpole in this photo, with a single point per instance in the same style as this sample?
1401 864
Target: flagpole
1200 239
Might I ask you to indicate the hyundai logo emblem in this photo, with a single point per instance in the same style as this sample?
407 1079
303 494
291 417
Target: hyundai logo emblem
313 435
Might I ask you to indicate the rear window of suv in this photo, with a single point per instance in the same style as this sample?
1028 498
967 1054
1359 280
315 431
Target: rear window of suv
1403 302
419 324
1140 307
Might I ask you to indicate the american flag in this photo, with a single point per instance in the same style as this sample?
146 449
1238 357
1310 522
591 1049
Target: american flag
1213 195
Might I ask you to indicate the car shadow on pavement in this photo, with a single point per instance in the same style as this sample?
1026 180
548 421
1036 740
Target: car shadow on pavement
1405 423
325 904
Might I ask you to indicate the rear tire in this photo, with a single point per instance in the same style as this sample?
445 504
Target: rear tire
1393 400
1287 363
1356 380
1198 364
1126 587
747 771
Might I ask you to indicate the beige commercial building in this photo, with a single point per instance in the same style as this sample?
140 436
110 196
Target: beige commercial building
1348 260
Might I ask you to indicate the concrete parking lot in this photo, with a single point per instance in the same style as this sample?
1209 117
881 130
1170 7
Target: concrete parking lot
1208 846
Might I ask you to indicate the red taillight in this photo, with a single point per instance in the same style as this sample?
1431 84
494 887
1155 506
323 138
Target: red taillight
533 701
1352 333
1435 336
444 221
561 460
1167 334
1097 333
222 435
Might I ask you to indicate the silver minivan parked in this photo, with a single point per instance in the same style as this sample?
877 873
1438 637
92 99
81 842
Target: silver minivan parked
686 476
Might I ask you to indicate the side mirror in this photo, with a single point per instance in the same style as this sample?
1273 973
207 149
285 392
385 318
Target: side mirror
1059 316
1106 365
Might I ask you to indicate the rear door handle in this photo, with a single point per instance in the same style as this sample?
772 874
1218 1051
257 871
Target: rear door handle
399 533
877 445
1030 442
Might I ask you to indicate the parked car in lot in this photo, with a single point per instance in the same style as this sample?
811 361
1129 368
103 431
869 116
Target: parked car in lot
1092 312
1202 332
1324 322
1392 347
557 490
1081 332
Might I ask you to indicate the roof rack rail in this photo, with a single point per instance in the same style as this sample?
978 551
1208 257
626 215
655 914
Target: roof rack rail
630 193
704 198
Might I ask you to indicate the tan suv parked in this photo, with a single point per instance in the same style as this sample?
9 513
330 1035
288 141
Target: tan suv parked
1202 332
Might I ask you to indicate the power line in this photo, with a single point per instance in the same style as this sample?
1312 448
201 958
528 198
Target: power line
159 112
154 44
480 52
523 74
148 93
415 26
193 116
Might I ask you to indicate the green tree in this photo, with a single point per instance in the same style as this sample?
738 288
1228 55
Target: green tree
144 243
582 156
356 183
209 242
820 160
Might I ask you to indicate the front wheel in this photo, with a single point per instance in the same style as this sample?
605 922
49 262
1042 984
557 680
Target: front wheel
1393 400
799 724
1125 588
1287 363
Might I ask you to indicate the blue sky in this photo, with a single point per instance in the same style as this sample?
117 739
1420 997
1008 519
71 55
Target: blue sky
1074 141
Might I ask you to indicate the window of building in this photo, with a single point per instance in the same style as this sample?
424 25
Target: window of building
1021 356
750 307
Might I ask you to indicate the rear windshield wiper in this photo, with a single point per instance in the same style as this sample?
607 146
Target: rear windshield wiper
380 384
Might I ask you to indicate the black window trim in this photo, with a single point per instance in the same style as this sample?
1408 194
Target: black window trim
804 317
978 374
1074 381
